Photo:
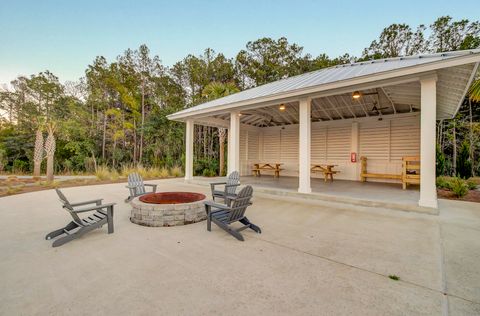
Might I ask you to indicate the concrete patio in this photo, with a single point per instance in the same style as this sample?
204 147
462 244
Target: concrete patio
376 194
311 259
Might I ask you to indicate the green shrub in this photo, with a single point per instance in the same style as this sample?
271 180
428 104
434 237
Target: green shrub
444 182
459 187
201 164
209 173
475 180
472 184
19 166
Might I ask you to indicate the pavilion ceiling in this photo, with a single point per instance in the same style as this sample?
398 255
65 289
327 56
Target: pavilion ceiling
403 98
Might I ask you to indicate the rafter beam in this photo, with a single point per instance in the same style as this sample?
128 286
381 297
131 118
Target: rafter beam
334 107
324 111
389 99
288 110
362 105
346 104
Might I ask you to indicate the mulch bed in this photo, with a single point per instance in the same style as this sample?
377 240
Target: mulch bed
59 184
472 195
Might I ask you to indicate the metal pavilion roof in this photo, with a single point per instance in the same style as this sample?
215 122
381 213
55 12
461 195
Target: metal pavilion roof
337 76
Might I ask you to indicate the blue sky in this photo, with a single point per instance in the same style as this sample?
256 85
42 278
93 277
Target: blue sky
65 36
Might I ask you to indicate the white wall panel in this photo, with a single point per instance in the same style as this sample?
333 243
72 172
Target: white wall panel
384 143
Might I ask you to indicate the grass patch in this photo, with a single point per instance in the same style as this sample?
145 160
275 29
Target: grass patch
176 171
394 277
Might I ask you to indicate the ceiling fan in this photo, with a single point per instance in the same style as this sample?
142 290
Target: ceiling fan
376 109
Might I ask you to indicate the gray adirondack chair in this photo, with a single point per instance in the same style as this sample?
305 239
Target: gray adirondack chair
79 226
229 187
137 187
224 215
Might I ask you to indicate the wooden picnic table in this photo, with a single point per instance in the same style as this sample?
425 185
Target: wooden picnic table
275 167
327 170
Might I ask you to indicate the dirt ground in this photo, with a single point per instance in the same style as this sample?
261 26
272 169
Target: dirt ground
472 195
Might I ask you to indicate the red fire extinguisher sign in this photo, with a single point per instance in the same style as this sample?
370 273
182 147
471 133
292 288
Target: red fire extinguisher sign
353 157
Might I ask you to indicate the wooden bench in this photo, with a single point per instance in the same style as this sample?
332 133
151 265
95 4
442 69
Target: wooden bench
410 171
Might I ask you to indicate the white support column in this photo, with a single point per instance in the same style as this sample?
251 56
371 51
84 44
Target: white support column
354 149
189 150
304 141
428 114
234 143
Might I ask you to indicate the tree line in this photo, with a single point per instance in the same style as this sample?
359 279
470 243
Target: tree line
116 114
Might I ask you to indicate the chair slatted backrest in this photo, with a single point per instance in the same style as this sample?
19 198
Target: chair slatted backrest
134 179
240 204
68 206
233 178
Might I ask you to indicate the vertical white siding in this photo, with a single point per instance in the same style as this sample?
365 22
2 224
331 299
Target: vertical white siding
384 143
289 144
249 150
338 142
271 145
318 149
243 151
405 138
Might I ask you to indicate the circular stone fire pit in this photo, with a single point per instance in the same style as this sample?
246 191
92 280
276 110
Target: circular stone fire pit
168 209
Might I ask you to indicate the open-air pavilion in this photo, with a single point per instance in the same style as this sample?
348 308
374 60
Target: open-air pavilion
383 110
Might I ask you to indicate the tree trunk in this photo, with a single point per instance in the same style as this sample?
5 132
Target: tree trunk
221 137
134 141
454 144
113 153
472 143
49 168
142 124
104 138
50 146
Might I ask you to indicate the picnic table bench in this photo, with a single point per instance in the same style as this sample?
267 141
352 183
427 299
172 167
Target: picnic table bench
259 167
326 169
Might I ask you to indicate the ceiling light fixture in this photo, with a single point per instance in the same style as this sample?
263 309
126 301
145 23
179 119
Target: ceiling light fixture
282 107
356 95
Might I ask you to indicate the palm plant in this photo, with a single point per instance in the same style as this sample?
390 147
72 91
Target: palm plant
50 146
38 152
474 91
215 90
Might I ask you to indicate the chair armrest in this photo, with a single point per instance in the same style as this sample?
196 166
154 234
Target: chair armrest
231 185
213 184
217 205
86 202
131 186
93 207
217 183
150 185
